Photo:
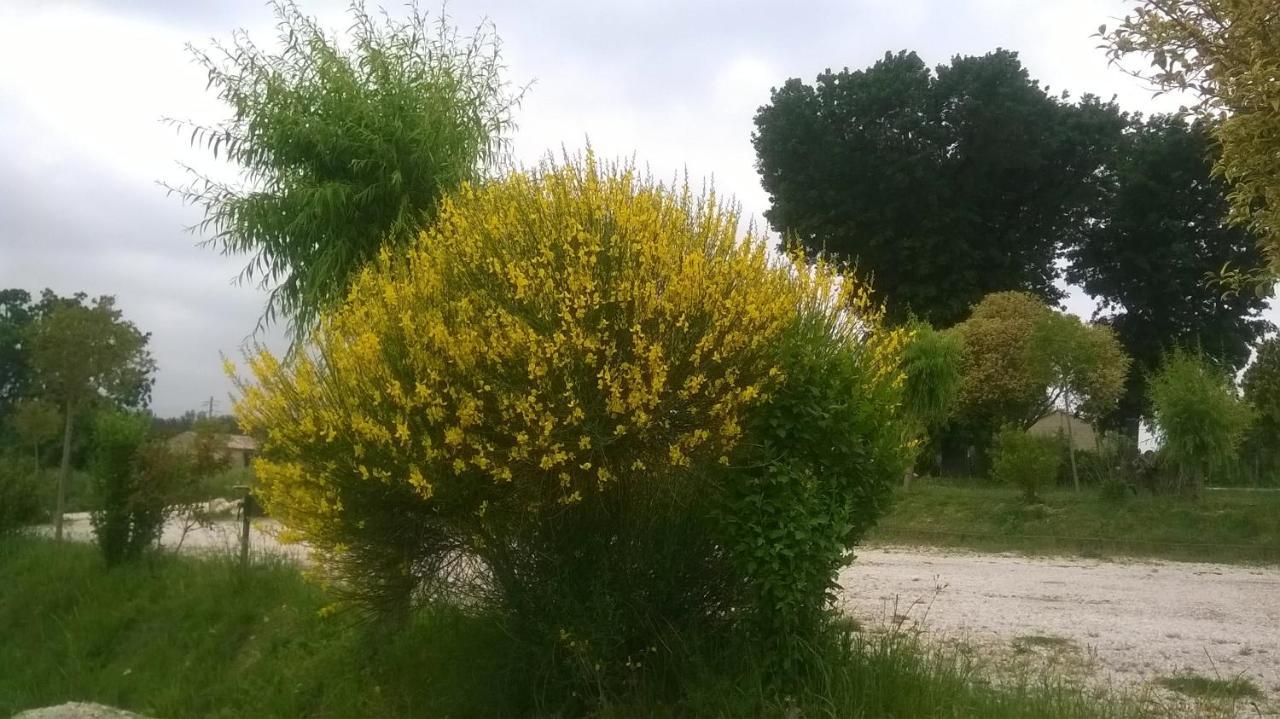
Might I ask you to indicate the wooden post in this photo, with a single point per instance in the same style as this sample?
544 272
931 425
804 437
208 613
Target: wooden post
246 506
1071 444
64 476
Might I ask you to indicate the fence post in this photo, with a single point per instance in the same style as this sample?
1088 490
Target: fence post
246 509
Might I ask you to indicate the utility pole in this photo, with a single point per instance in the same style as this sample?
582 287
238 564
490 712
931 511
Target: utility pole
210 415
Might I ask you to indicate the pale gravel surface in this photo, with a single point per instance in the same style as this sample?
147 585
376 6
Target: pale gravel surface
77 710
1131 621
221 536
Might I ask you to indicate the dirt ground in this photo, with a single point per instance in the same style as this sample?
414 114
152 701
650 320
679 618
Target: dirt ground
1122 622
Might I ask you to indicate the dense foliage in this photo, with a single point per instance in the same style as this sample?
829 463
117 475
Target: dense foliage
1004 379
1148 260
581 399
1228 53
129 514
20 495
347 145
944 185
933 372
1197 416
1025 460
1261 385
34 423
15 316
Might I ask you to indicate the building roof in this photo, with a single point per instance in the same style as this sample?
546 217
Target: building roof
237 442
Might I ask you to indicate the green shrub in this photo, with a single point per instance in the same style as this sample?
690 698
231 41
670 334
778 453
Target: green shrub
131 485
20 495
1025 460
1198 417
585 402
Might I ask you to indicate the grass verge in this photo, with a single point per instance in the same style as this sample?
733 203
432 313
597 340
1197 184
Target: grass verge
1220 526
1201 687
200 637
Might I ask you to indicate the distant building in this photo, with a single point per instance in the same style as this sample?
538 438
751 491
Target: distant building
237 448
1056 422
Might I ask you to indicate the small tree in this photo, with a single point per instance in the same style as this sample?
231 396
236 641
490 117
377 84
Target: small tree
932 367
1002 385
1198 417
1025 460
1084 367
347 147
35 422
122 524
81 353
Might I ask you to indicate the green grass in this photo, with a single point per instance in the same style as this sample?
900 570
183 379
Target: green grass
1219 526
185 637
1201 687
1041 641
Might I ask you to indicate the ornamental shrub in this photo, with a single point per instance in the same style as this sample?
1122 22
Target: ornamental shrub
582 401
1025 460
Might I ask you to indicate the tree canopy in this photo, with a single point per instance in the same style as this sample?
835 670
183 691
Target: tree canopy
1023 358
943 185
1228 53
1149 257
346 146
1001 386
82 352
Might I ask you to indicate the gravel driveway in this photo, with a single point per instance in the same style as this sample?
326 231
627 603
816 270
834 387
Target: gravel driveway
1127 621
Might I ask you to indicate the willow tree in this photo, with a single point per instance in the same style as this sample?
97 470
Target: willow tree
1227 53
344 145
932 364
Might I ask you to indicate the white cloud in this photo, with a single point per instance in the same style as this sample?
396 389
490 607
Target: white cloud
84 83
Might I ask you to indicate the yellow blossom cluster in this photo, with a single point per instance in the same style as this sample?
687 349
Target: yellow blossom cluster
553 333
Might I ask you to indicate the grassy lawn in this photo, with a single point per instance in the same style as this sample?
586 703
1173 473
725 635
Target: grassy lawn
1219 526
187 637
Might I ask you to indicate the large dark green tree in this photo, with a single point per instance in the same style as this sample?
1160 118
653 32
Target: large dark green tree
345 144
15 316
18 311
943 185
1151 255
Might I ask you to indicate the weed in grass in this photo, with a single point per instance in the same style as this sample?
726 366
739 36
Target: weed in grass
1040 641
1202 687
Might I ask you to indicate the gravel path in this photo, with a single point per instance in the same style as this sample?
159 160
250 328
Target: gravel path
1130 621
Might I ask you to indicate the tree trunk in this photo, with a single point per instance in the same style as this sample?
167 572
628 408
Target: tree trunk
63 477
1071 444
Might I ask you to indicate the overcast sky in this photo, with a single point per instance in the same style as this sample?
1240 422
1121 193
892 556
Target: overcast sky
674 83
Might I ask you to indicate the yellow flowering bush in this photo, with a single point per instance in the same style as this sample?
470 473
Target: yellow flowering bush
560 403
